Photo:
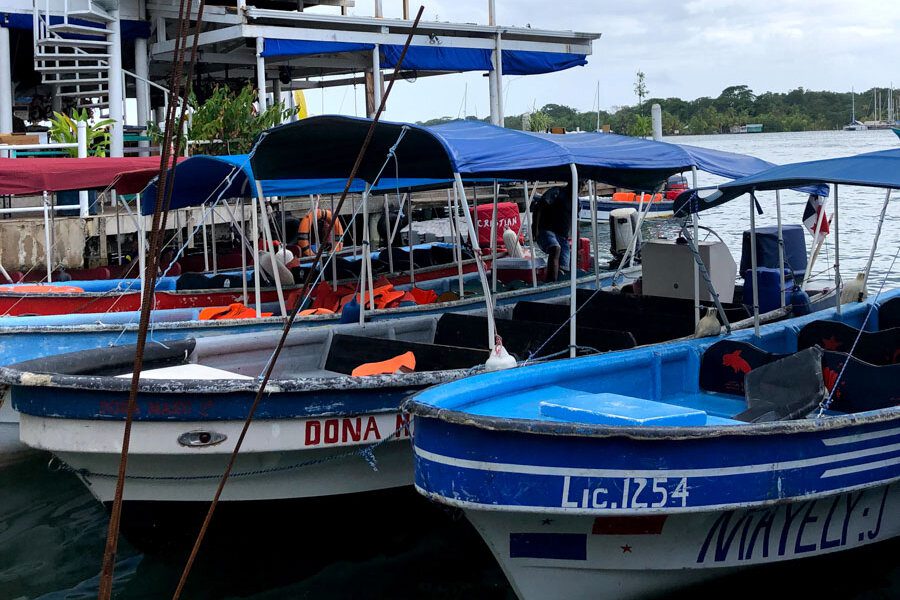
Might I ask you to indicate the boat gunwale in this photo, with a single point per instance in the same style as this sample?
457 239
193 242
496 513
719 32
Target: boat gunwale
107 383
562 429
324 319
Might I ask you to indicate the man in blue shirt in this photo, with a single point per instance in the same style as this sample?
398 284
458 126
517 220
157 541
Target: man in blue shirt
552 227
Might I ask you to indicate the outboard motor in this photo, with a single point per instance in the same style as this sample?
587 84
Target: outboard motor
623 226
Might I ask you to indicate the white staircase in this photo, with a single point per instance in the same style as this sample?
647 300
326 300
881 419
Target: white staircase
77 67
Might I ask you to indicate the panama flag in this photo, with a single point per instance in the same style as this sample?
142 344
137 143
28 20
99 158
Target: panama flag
815 205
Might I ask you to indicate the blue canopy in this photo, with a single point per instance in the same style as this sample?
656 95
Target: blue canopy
327 146
872 169
434 58
201 179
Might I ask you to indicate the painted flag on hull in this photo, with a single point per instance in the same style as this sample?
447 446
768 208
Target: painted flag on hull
815 205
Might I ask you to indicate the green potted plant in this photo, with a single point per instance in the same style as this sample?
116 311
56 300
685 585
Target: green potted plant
64 130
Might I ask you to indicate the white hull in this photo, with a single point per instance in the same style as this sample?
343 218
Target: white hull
278 460
627 557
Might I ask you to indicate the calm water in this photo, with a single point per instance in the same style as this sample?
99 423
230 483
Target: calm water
52 531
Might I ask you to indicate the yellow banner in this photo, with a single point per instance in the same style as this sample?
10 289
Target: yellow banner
300 103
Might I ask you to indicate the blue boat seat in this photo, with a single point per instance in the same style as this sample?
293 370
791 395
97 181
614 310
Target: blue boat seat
725 363
889 314
614 409
874 347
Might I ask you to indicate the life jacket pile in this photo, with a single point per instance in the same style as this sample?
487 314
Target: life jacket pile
232 311
384 293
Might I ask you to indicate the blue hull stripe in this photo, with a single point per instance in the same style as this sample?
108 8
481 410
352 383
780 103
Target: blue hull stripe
470 466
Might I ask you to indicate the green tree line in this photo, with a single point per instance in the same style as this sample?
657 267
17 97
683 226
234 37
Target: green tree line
797 110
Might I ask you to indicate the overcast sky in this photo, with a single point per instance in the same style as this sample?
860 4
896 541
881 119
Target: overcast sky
686 49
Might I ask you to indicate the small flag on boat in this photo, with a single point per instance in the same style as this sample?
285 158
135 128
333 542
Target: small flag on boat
815 206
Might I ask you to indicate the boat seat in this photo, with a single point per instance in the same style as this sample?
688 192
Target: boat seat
889 314
443 254
862 386
725 363
785 389
645 329
615 410
200 281
522 338
874 347
347 352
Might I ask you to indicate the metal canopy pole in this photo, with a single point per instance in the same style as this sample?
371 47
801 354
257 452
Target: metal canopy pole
205 245
887 198
838 284
496 193
142 242
353 225
753 275
243 242
528 235
488 300
695 222
334 273
573 263
115 200
457 240
267 232
387 229
366 272
780 247
254 218
592 191
212 238
48 251
412 254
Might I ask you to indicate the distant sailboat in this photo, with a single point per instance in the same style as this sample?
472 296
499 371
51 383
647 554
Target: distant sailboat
854 124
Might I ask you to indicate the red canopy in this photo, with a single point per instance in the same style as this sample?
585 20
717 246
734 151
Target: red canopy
29 176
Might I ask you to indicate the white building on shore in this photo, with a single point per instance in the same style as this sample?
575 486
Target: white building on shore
96 53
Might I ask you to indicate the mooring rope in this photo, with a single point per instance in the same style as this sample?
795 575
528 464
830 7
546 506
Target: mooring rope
163 196
287 326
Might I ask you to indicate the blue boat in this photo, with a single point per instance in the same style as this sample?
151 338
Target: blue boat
896 130
632 474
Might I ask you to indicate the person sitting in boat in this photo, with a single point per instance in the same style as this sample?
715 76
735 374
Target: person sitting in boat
552 225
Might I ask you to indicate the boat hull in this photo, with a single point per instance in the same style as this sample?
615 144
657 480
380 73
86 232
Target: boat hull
657 210
575 557
280 459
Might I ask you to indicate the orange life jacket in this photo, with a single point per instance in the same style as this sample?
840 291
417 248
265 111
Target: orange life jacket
407 360
315 311
232 311
42 289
